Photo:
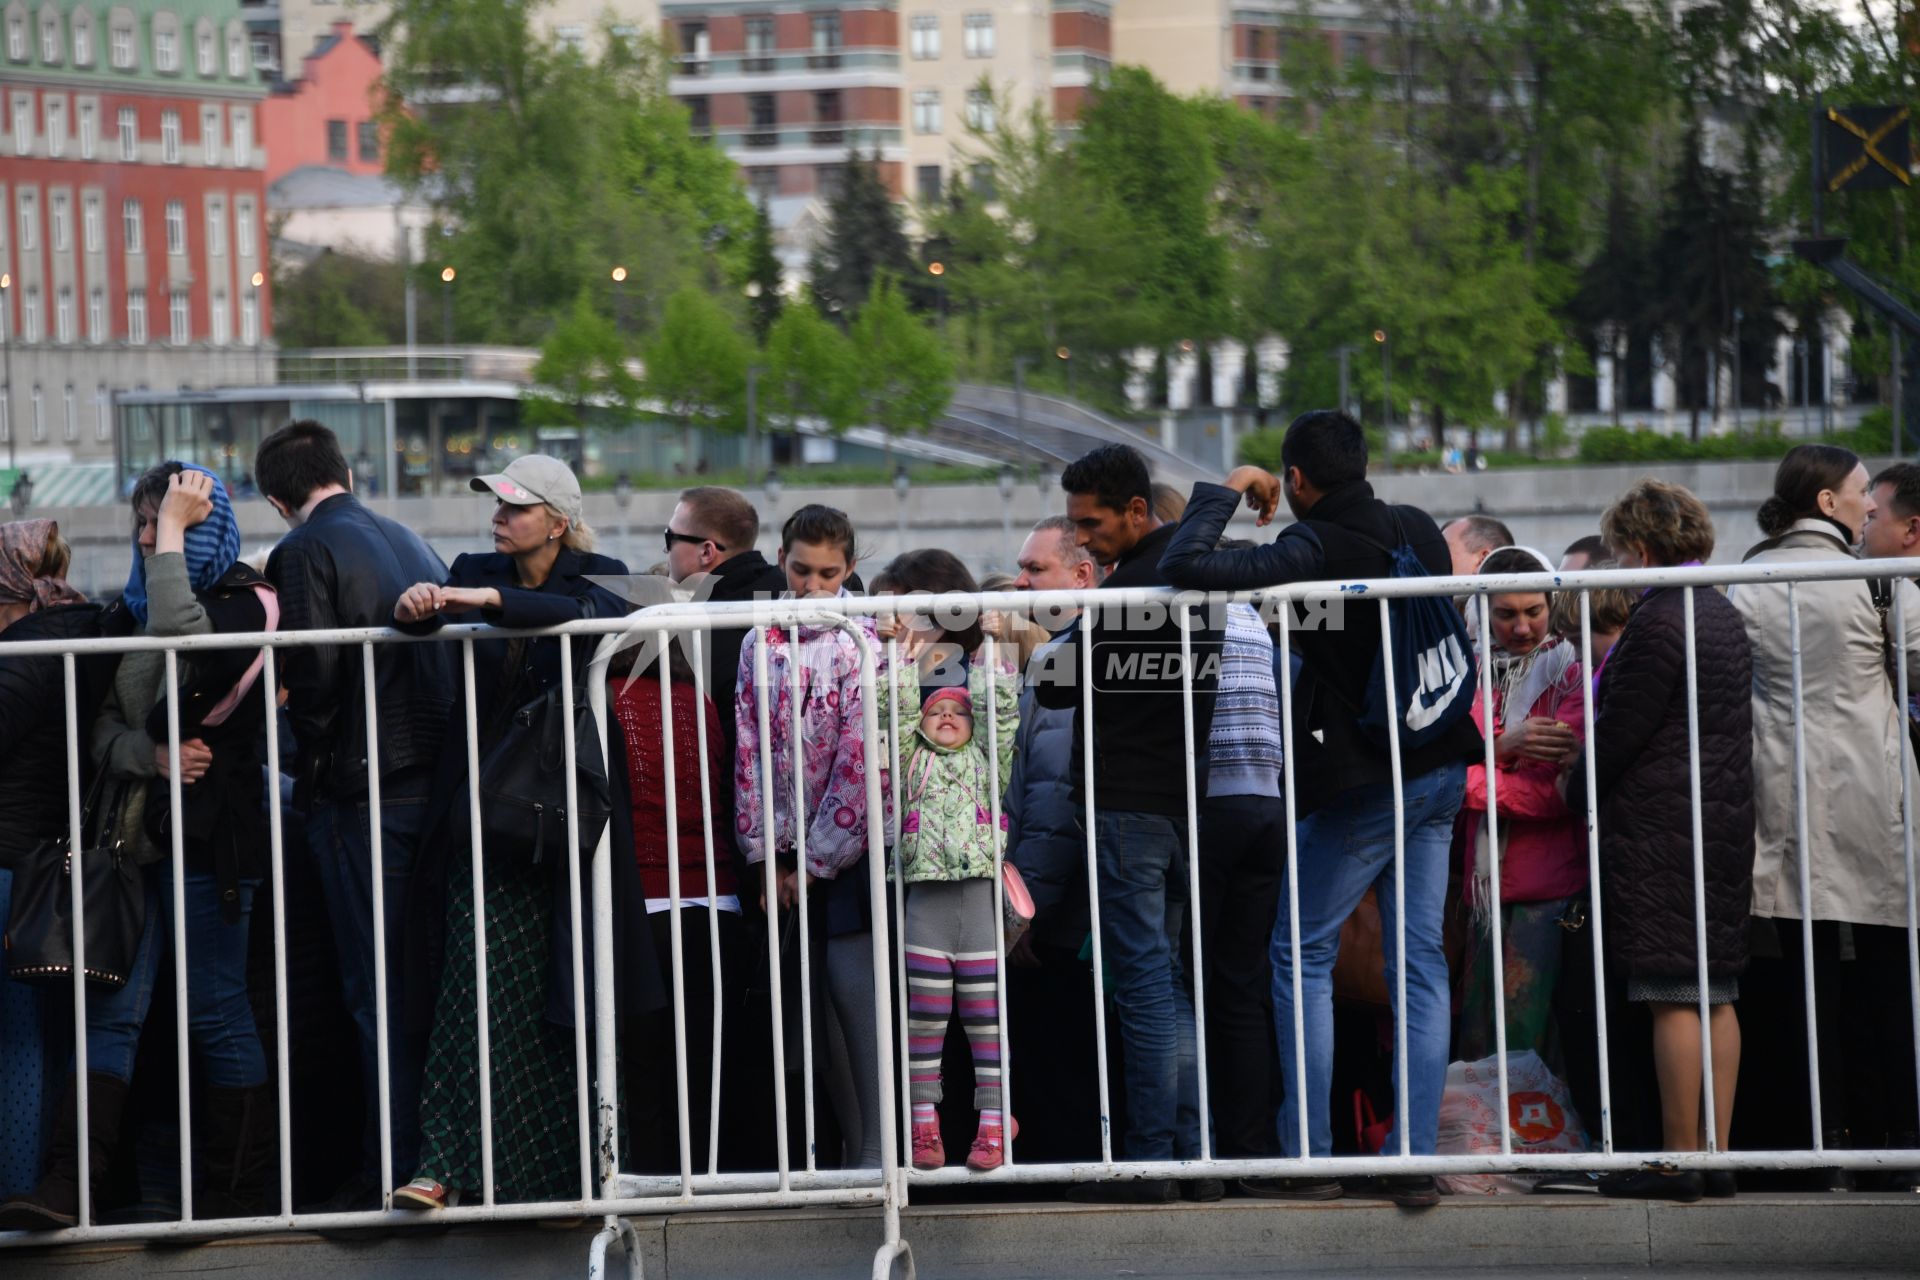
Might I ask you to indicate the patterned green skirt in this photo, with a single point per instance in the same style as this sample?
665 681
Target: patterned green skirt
536 1137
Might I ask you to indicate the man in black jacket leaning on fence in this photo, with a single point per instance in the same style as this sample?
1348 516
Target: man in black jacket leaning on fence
1343 778
344 566
1139 778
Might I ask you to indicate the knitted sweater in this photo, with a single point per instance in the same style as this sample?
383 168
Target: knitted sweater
1243 747
946 794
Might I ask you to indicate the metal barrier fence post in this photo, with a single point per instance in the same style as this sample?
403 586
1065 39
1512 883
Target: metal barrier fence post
1593 872
1401 1088
1495 905
1805 860
179 898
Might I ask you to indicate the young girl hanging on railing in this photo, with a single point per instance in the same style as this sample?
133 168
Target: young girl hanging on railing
948 844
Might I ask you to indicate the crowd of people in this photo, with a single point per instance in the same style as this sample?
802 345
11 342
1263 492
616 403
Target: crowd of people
1747 762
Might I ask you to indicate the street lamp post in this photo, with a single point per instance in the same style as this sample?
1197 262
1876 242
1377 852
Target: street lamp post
619 277
753 414
6 353
1386 393
1065 356
1738 316
1006 504
259 329
1806 409
1020 364
623 498
901 484
446 303
938 270
1346 399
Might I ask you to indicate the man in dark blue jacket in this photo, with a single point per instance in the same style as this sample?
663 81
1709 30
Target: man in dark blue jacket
344 566
1344 780
1137 771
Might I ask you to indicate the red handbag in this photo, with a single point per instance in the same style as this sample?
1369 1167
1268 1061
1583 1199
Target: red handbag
1368 1128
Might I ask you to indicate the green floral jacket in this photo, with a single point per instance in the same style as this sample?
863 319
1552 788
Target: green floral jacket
946 795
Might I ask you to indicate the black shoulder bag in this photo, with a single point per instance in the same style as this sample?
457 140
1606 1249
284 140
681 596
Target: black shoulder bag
39 931
523 780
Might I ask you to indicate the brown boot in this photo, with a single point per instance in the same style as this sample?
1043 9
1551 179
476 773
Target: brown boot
242 1126
55 1203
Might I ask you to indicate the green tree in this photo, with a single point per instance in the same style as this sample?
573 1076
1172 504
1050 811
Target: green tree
764 276
582 363
905 374
339 300
548 168
811 373
864 239
697 364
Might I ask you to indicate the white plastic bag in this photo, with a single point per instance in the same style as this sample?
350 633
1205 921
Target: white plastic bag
1540 1116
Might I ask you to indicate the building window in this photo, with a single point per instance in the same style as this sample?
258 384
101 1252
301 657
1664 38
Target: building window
166 50
131 227
129 134
39 415
137 317
30 315
760 120
923 36
980 181
102 420
87 130
828 179
60 218
176 227
82 39
243 137
50 39
827 116
250 320
236 54
97 315
759 45
221 333
699 113
216 230
17 36
56 125
571 35
826 41
169 137
72 425
926 111
763 183
63 315
204 54
369 131
243 228
177 318
90 222
122 37
29 222
337 140
980 109
1353 50
927 180
23 124
696 47
977 34
210 136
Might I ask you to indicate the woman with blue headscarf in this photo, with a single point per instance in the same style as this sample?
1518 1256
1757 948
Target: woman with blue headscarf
186 580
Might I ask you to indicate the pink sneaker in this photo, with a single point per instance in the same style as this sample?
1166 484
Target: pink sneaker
989 1147
928 1151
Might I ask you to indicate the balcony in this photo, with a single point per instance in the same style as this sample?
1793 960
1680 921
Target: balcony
829 135
757 64
761 137
829 61
692 65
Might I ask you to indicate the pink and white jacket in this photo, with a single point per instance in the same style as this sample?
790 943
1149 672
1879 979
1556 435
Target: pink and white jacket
832 755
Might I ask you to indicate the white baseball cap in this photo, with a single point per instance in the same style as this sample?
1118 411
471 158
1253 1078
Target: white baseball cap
533 479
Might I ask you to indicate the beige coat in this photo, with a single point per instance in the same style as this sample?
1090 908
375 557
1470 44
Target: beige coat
1853 733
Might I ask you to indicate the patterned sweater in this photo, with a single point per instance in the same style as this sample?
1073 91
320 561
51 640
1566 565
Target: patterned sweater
946 794
1243 747
821 668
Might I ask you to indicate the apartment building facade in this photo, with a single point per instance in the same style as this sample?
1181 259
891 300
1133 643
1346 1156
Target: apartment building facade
131 173
1236 49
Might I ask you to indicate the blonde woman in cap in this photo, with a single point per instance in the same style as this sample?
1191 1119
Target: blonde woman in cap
539 574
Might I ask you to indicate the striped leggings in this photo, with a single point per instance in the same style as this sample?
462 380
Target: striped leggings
949 941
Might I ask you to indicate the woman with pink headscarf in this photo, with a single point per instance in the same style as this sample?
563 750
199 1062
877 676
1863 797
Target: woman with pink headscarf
36 603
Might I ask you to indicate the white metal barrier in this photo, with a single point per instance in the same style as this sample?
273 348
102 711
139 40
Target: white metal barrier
606 1191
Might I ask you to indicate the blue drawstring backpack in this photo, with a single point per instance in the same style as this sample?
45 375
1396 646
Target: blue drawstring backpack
1432 669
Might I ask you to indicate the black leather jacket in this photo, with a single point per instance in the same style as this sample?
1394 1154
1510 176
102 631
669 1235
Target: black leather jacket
345 567
33 724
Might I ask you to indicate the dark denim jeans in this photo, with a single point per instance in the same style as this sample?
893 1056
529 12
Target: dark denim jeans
1142 860
339 836
1344 849
220 1025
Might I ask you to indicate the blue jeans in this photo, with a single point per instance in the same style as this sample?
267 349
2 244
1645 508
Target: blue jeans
219 1016
1142 860
339 837
1345 849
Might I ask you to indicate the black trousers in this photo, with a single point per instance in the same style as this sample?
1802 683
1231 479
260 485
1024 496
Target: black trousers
653 1104
1053 1087
1243 850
